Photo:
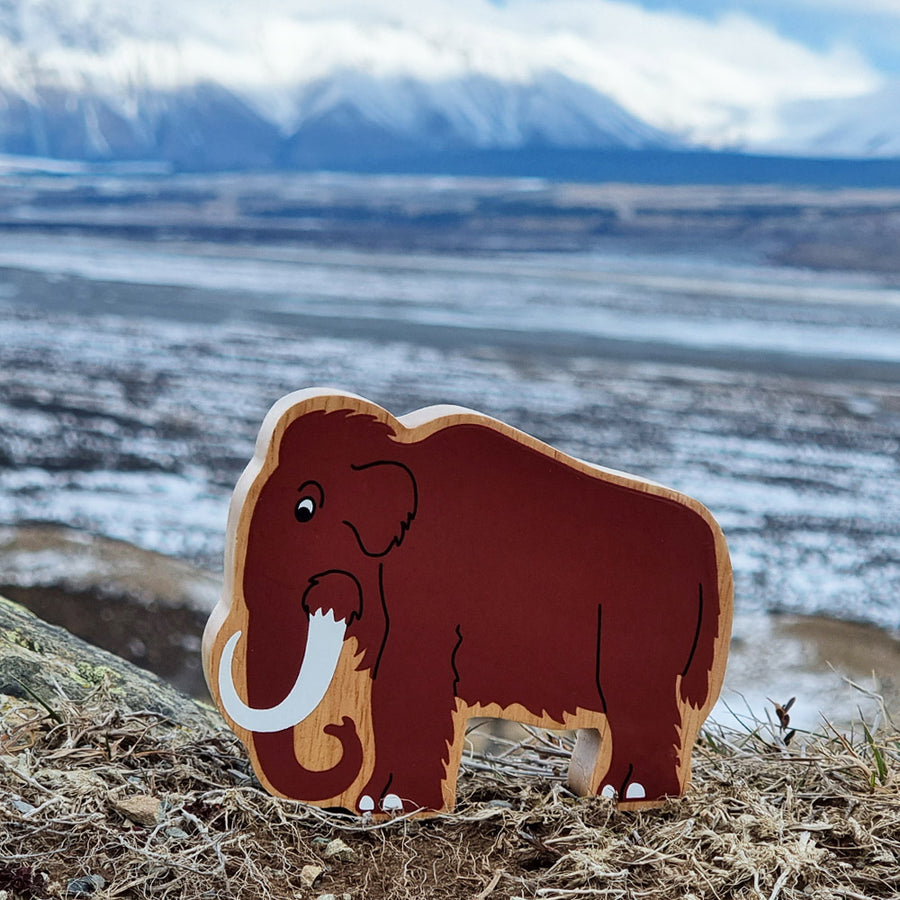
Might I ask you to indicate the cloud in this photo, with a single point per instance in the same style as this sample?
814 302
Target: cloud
720 81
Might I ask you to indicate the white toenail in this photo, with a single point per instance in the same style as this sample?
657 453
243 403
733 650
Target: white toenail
635 791
391 801
609 792
366 803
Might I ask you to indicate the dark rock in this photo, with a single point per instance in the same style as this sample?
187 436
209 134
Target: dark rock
85 885
38 660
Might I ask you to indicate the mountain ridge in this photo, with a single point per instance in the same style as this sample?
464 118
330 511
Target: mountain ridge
181 86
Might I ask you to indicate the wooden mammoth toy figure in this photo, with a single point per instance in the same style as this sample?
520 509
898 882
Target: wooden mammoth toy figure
387 579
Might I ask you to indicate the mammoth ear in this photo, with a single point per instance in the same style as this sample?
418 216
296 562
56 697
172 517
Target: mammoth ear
385 503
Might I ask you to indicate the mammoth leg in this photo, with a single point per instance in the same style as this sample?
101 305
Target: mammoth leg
410 764
643 727
412 721
639 660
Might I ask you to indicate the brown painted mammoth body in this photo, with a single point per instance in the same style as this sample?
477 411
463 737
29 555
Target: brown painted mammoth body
387 579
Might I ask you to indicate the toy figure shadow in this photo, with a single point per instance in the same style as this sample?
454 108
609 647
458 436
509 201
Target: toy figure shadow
387 579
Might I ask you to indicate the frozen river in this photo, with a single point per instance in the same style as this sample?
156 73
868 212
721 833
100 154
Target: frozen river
134 375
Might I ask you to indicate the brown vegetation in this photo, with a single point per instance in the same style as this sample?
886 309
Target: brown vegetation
114 785
160 809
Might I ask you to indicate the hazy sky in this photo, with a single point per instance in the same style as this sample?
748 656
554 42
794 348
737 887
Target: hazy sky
872 27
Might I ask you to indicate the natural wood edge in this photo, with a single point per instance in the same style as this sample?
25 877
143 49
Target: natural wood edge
230 613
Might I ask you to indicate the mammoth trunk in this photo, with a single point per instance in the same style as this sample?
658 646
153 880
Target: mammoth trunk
290 665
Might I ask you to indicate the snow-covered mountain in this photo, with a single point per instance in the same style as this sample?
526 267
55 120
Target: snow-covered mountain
205 84
867 126
339 117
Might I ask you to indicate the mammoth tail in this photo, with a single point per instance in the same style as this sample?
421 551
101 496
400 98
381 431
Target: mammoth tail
285 774
695 677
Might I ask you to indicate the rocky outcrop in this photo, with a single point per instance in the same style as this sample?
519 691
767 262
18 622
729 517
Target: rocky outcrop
145 607
41 662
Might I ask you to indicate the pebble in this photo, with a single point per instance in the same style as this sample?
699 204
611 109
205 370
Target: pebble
337 849
142 809
85 885
309 875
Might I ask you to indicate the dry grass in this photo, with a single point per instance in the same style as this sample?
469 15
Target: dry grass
818 817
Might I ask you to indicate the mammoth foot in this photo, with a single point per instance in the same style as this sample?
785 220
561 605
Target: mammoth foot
645 762
400 796
634 791
642 780
390 803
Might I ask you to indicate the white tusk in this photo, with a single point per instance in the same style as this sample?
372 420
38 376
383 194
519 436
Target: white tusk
323 647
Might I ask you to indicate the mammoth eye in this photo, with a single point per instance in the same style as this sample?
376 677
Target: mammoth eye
305 509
